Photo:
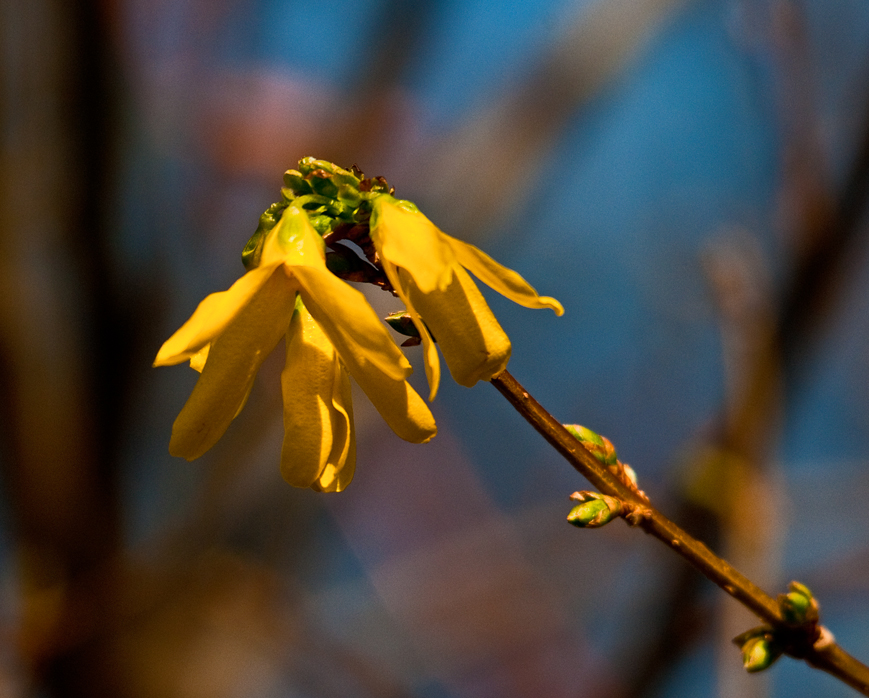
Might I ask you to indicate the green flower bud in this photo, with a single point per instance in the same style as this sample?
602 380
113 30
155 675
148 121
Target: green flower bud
599 446
595 509
322 184
345 178
296 183
798 606
309 164
349 195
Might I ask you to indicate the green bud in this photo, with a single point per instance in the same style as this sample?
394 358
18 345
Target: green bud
309 164
296 183
322 184
599 446
595 509
759 648
759 653
798 606
349 195
345 178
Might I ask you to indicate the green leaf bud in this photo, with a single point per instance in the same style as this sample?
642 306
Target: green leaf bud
759 652
599 446
595 509
798 606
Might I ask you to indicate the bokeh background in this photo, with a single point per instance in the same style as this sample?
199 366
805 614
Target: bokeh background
689 177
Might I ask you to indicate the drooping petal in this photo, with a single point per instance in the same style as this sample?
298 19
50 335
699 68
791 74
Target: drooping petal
505 281
318 428
341 311
212 317
340 467
474 345
411 241
358 334
399 404
430 353
233 361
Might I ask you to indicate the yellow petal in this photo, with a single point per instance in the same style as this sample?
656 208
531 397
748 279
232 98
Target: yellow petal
341 465
197 361
505 281
318 418
233 361
211 317
358 334
342 312
430 353
474 345
293 241
399 404
411 241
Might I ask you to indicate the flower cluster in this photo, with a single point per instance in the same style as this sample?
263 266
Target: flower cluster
295 288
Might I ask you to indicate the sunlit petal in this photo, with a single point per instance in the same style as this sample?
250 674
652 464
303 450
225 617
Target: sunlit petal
233 361
294 242
358 334
341 465
505 281
399 404
411 241
308 385
212 317
474 345
430 353
197 361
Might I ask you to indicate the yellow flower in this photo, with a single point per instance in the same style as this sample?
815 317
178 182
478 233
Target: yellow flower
331 331
427 269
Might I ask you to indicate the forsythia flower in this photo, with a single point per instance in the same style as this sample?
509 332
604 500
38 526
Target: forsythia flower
427 269
330 330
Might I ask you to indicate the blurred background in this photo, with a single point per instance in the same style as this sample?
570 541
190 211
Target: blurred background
689 177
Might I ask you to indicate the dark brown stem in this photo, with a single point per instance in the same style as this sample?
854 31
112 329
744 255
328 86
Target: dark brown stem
824 654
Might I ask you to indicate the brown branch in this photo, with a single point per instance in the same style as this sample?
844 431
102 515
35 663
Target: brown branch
822 654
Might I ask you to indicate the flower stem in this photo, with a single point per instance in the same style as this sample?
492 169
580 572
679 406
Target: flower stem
823 654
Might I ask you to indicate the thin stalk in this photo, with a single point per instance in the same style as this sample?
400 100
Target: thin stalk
822 654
